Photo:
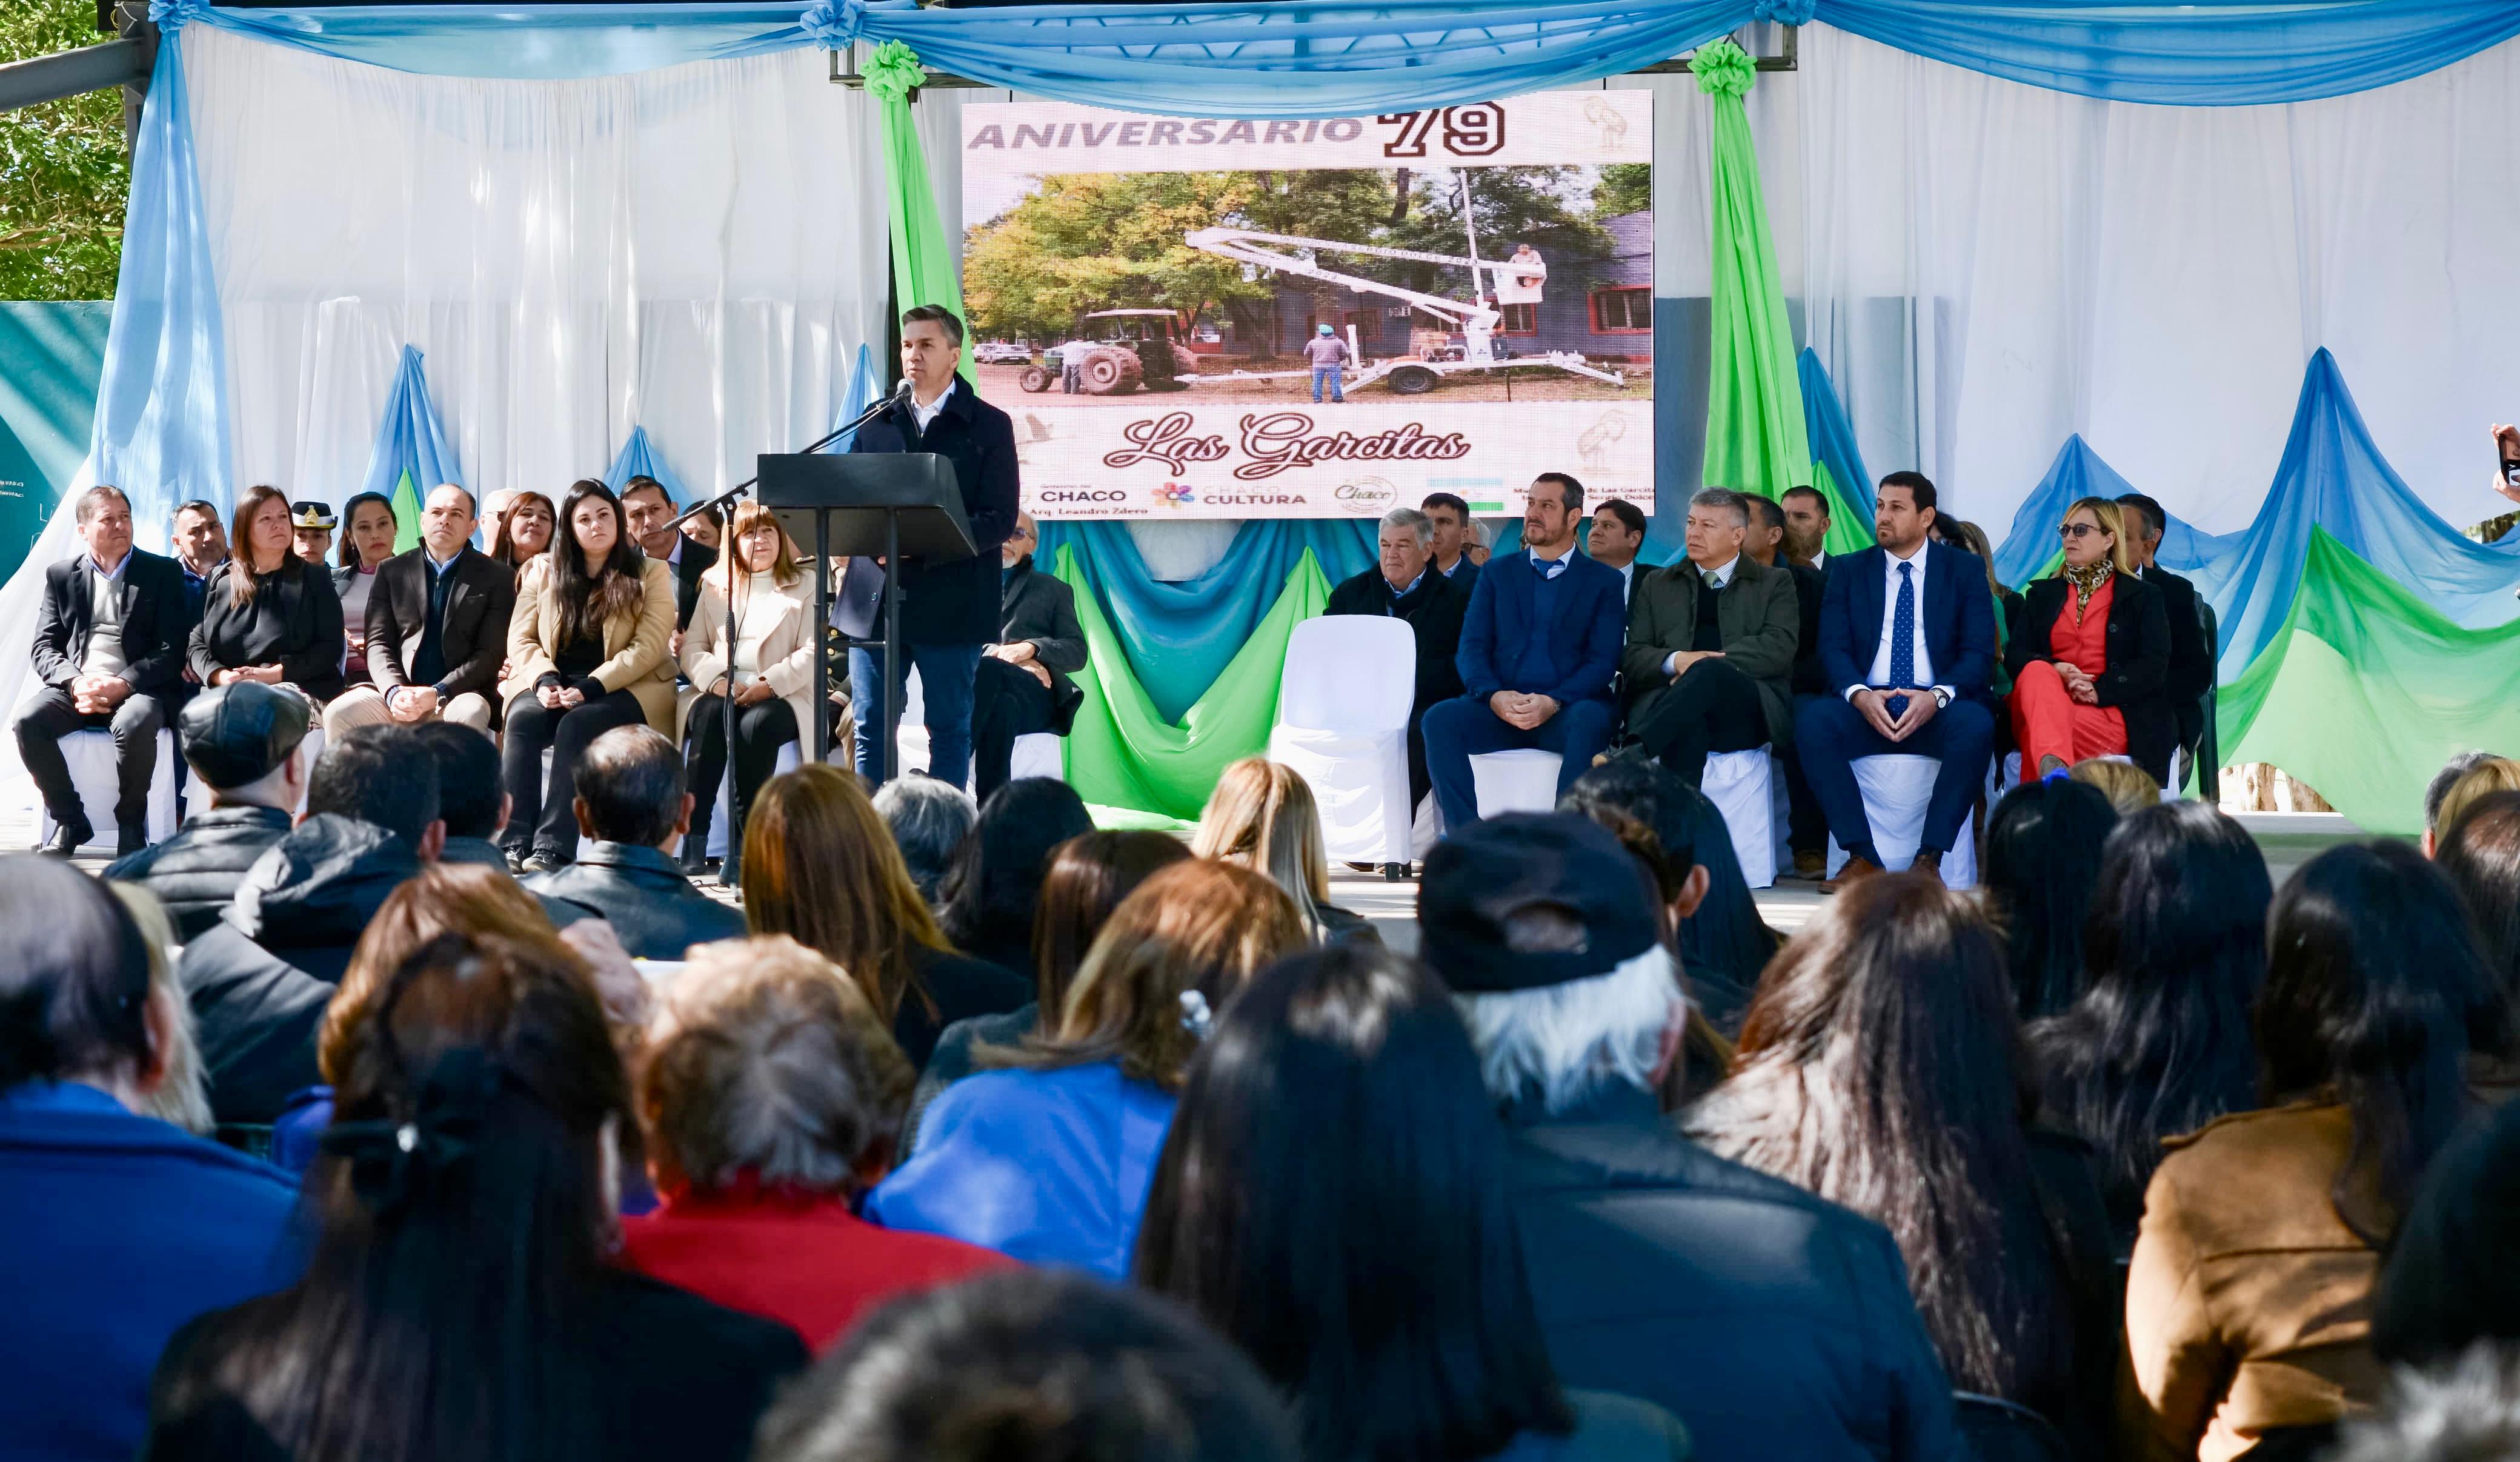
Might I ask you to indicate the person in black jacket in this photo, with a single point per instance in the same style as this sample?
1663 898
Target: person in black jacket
271 616
434 627
2191 660
243 741
109 653
258 979
632 809
650 511
1022 683
2082 689
948 610
1807 830
1406 585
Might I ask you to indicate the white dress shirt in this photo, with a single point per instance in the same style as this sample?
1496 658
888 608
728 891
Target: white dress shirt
1880 673
1715 578
1550 568
926 414
1627 581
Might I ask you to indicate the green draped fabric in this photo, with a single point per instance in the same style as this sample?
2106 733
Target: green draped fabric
1123 755
1755 437
922 265
1850 528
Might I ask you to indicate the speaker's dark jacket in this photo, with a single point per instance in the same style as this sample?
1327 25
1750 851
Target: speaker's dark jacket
956 603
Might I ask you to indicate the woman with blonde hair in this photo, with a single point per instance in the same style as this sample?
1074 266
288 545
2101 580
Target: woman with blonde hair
2475 784
761 599
820 866
2090 655
2129 787
1262 817
1048 1158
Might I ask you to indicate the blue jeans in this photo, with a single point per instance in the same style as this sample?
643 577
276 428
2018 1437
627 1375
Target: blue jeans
945 673
1329 374
1462 727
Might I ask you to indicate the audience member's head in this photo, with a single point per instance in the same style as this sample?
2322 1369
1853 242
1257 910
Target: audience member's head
379 776
765 1065
2042 852
2467 1411
1767 528
2449 1281
182 1096
2439 787
1030 1365
1806 522
467 899
2129 787
1547 930
2174 949
524 526
244 741
630 789
929 819
994 885
1086 878
2493 774
1618 531
1882 1067
1261 816
821 867
1167 960
2375 994
2481 855
201 539
1377 1280
76 1001
469 799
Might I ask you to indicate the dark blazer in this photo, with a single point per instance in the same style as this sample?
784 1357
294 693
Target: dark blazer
1040 610
155 622
1959 619
1435 609
645 896
1590 626
956 603
294 622
1756 615
2192 669
2139 644
1810 586
1465 574
473 638
697 560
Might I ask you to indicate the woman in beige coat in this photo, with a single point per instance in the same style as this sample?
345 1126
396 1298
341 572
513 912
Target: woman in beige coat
588 651
771 679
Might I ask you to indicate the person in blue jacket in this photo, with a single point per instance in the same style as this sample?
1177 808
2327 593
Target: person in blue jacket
1539 647
116 1228
1048 1158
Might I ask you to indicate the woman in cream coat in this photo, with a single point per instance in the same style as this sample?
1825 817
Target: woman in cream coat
772 679
588 651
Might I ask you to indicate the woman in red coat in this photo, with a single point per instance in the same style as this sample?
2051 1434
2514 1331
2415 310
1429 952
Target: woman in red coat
2087 653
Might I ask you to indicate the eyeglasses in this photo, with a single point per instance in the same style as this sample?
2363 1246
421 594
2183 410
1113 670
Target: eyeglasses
2077 530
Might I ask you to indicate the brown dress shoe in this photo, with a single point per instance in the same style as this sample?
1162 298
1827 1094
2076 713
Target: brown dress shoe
1928 862
1857 869
1810 864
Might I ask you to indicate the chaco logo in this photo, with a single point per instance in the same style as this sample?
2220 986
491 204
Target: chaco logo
1175 495
1366 495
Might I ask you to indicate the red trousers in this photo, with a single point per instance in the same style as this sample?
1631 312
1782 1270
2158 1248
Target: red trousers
2047 722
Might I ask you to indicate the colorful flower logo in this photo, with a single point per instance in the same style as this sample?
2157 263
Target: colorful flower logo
1174 494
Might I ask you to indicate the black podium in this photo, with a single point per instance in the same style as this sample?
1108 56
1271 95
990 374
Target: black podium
863 505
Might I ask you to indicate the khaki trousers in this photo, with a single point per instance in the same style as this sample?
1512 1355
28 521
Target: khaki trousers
365 705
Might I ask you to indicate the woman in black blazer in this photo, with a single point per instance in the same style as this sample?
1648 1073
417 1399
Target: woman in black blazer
2089 655
269 615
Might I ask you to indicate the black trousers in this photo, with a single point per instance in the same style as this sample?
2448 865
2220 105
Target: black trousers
760 730
542 818
51 715
1007 703
1711 707
1806 826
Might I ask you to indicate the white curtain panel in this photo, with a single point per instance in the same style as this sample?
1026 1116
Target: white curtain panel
699 250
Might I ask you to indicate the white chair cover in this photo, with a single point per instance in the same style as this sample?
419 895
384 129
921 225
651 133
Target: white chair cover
1896 789
1343 727
1739 785
90 755
1039 754
1515 782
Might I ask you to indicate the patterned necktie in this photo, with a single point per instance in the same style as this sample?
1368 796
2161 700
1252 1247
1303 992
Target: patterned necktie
1903 640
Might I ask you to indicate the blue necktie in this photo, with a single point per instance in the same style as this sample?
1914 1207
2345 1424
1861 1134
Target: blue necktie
1903 642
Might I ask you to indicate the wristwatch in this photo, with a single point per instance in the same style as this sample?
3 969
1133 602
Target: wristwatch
1942 698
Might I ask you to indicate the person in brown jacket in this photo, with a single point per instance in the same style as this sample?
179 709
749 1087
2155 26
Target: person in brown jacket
2249 1299
1709 660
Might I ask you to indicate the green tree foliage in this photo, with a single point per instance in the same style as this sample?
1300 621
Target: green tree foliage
1623 188
63 173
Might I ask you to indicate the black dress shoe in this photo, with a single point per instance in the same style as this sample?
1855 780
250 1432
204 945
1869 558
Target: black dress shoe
130 839
67 839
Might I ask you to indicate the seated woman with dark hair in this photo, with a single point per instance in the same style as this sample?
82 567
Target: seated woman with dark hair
587 652
994 884
1376 1278
461 1211
770 1097
271 617
2449 1281
2042 855
2249 1302
2089 655
368 528
2480 853
2174 947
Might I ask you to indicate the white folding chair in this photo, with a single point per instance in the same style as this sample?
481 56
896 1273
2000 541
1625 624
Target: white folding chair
90 756
1342 725
1523 780
1740 784
1896 788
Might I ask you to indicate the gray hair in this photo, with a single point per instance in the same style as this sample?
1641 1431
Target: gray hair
1565 1042
928 818
1415 521
1725 498
2467 1412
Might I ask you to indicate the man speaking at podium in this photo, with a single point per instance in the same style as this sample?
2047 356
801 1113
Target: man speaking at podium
948 610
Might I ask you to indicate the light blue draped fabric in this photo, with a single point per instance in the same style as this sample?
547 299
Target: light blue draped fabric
640 459
1832 435
864 388
409 441
1179 638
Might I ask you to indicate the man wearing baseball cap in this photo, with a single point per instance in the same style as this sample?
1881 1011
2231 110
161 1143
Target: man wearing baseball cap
243 741
1771 1322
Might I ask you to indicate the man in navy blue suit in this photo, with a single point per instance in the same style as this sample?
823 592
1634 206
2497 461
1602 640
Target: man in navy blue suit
1906 642
1538 649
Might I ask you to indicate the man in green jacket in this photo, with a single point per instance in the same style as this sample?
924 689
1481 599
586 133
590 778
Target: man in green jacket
1710 653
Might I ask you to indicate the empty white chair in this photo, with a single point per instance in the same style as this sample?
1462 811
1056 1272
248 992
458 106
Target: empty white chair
722 819
1343 727
90 757
1896 789
1039 754
1521 780
1739 785
197 795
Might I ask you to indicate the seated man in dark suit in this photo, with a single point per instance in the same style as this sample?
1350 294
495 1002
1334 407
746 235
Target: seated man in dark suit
1907 639
2191 659
1807 830
1539 645
109 648
1405 584
1022 683
1455 533
1711 644
436 627
632 811
650 511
